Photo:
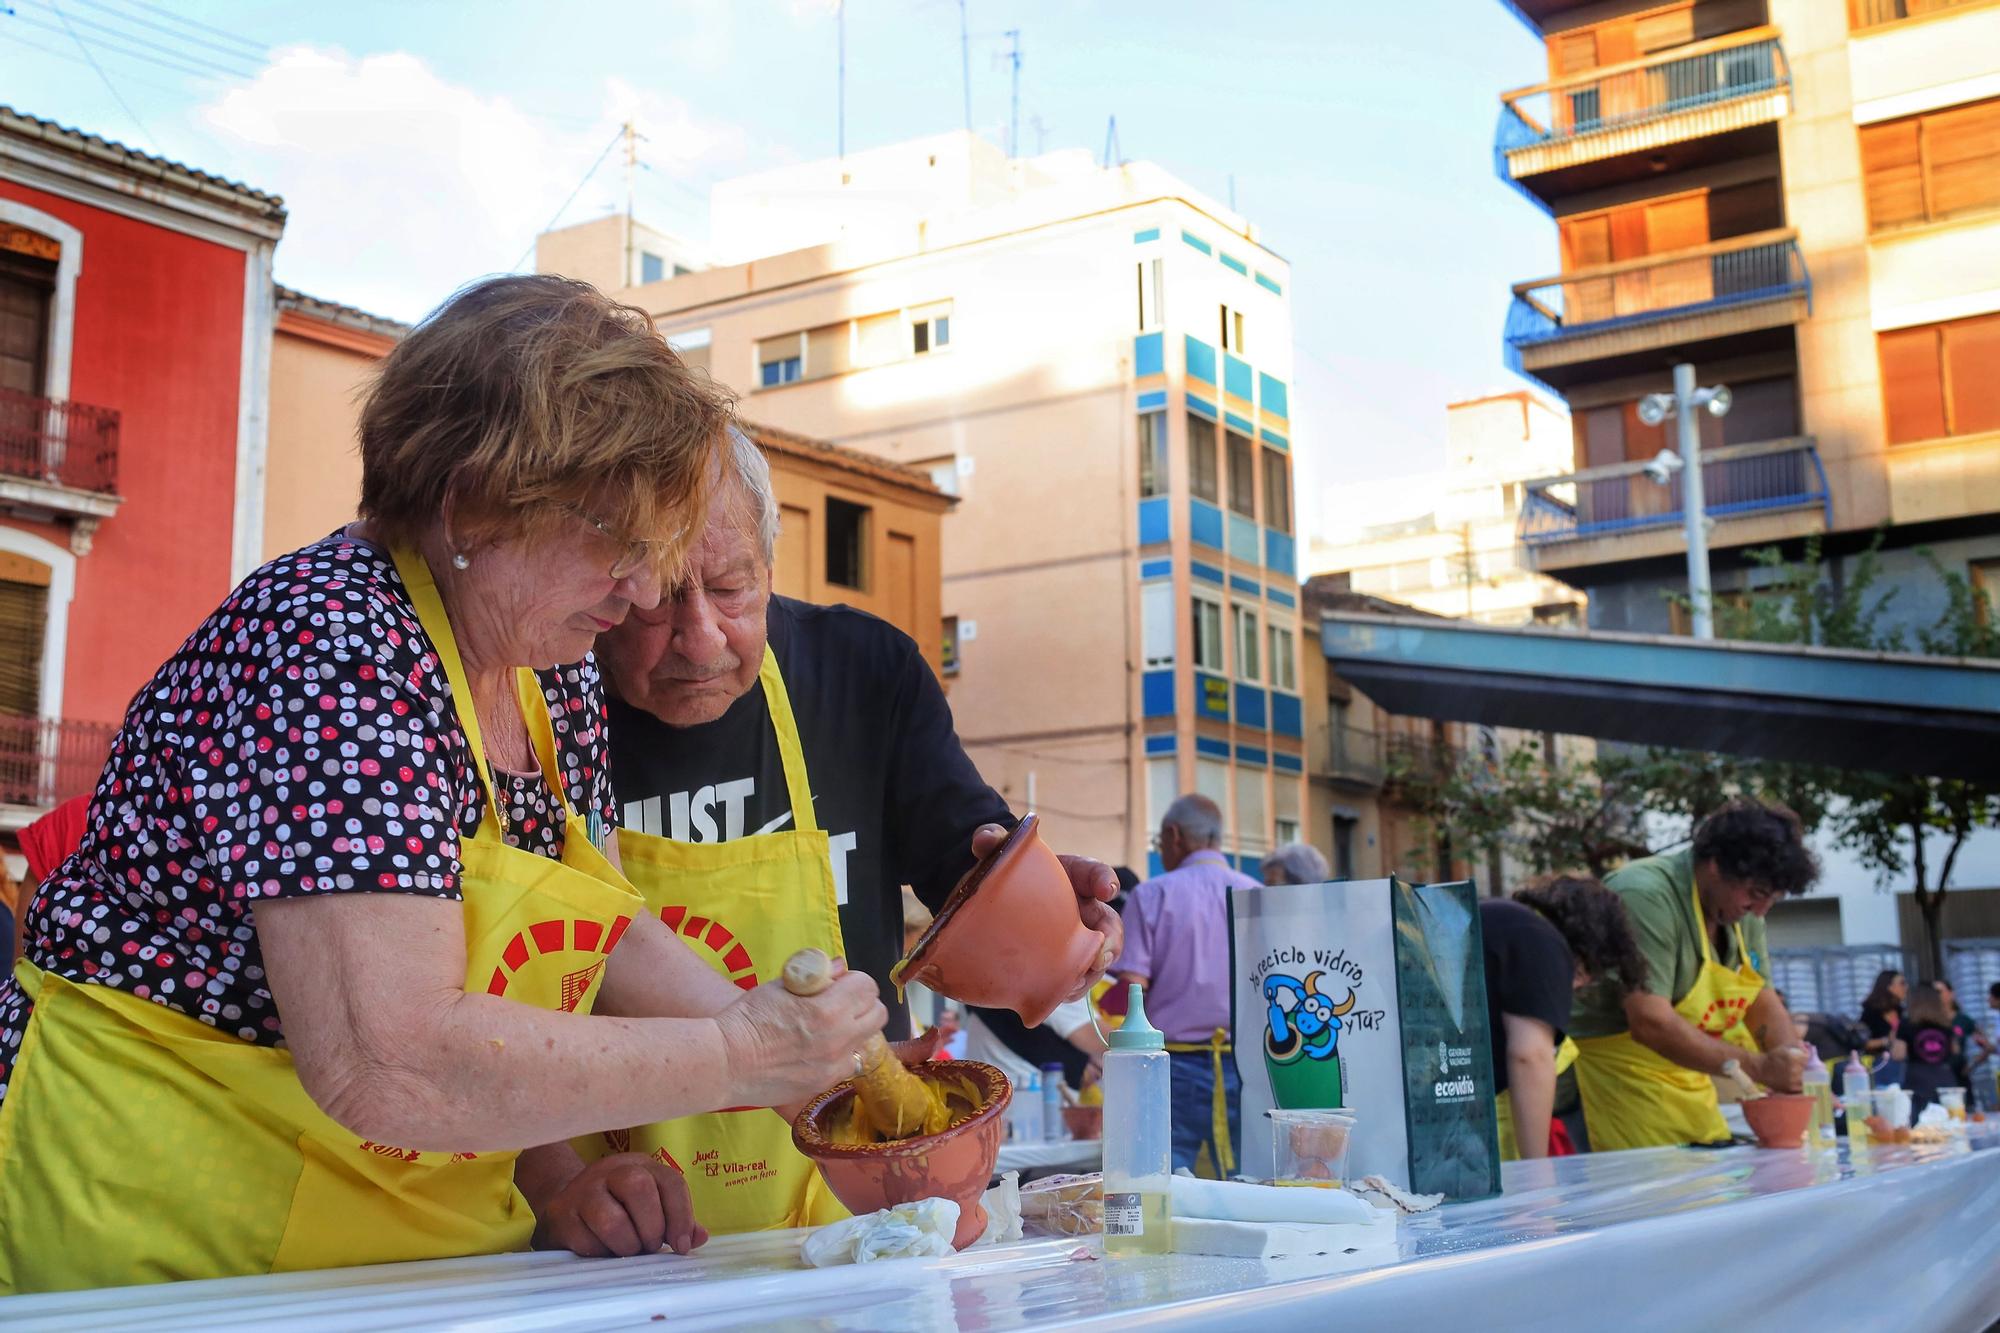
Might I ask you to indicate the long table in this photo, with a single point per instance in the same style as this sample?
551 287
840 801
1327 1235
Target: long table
1670 1238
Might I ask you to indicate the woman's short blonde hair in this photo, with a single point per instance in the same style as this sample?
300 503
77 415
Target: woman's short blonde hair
524 400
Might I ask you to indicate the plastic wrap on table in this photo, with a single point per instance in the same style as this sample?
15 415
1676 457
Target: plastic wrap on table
1071 1205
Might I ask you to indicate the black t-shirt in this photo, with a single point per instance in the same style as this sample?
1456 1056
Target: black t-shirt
1931 1043
891 784
1878 1024
1529 968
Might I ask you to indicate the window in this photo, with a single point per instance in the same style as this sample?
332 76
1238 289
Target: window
1284 831
1162 787
1933 166
1156 624
1232 331
847 544
1985 578
781 360
930 328
27 297
692 345
24 617
1245 621
1207 634
1941 379
948 657
1152 453
1211 779
1253 826
1242 475
1284 667
652 268
1284 808
1152 294
1202 481
1277 492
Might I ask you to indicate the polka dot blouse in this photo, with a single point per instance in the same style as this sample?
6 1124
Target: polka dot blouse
301 741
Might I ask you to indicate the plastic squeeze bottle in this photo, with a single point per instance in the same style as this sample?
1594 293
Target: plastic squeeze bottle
1854 1097
1052 1103
1819 1086
1027 1110
1138 1136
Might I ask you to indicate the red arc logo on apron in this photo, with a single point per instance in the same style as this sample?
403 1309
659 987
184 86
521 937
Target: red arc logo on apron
736 960
552 937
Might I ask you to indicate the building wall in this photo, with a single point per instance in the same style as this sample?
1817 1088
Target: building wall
318 371
1030 414
159 337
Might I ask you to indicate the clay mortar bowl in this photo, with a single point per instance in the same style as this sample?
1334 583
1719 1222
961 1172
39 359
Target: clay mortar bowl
1780 1119
953 1165
1010 936
1084 1122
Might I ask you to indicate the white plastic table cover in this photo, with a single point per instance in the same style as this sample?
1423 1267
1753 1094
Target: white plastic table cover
1669 1238
1075 1154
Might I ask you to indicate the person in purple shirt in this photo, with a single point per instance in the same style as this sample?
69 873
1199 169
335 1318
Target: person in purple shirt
1177 947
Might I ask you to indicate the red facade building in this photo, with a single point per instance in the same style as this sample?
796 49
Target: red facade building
136 305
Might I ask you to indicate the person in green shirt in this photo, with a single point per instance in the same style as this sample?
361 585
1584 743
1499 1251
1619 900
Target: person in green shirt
1698 915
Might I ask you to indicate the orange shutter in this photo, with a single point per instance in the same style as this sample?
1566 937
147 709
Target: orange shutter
1892 171
1912 384
1972 369
1962 148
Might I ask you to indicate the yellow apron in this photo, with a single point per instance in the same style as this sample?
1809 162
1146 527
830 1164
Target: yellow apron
1503 1104
745 905
1218 1128
139 1145
1634 1097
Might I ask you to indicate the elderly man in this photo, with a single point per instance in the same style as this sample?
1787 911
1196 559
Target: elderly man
1177 947
1647 1059
784 769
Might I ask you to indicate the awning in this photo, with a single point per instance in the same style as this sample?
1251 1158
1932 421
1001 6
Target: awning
1881 712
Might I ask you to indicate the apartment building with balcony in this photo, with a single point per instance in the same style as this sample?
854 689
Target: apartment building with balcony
1802 198
136 306
1097 363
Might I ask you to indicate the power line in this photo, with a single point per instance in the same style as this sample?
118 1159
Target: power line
616 139
258 48
76 59
158 56
236 52
111 87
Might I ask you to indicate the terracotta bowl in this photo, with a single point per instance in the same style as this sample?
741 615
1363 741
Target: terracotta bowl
1779 1120
954 1165
1010 936
1084 1122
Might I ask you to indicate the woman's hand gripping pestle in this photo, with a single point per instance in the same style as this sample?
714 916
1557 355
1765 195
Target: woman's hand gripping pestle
897 1103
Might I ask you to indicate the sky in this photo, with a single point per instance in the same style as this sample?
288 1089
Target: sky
421 143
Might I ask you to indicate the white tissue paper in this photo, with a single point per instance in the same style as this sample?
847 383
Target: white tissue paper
909 1230
1003 1210
1934 1117
1283 1240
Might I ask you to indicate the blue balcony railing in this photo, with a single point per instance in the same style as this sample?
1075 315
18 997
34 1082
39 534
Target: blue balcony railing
1735 479
1739 271
1672 83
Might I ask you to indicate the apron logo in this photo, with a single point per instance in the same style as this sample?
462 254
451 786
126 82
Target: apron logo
556 937
731 956
577 984
618 1140
1722 1014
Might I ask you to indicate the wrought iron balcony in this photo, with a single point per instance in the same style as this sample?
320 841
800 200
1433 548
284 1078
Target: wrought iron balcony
1716 290
58 456
45 761
1736 480
1717 86
1350 755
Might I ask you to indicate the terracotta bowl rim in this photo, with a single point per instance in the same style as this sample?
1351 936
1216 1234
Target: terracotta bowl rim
808 1140
964 889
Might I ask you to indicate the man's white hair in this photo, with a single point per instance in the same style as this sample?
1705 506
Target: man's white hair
1298 862
753 472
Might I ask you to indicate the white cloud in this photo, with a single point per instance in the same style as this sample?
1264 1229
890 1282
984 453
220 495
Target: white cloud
402 185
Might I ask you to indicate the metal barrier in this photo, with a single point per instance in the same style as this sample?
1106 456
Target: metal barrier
1833 979
1762 266
45 761
1736 479
59 442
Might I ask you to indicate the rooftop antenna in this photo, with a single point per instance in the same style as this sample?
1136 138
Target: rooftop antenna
1113 155
631 169
840 22
965 63
1014 115
1041 132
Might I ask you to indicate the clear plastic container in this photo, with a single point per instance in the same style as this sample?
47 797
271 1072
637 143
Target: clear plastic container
1818 1085
1138 1136
1026 1110
1310 1147
1953 1102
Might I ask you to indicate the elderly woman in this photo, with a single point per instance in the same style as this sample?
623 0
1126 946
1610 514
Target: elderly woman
1295 863
343 935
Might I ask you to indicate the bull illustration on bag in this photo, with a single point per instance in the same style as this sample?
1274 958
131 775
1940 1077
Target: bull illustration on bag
1302 1041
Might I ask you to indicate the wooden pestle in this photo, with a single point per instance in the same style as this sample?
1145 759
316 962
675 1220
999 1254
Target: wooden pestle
896 1102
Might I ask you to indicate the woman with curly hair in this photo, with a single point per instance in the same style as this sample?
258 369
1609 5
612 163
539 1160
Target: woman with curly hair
1557 935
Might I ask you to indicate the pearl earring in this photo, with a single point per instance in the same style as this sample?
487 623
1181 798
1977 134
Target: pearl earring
460 560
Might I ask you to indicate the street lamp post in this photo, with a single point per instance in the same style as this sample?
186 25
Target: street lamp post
1683 402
